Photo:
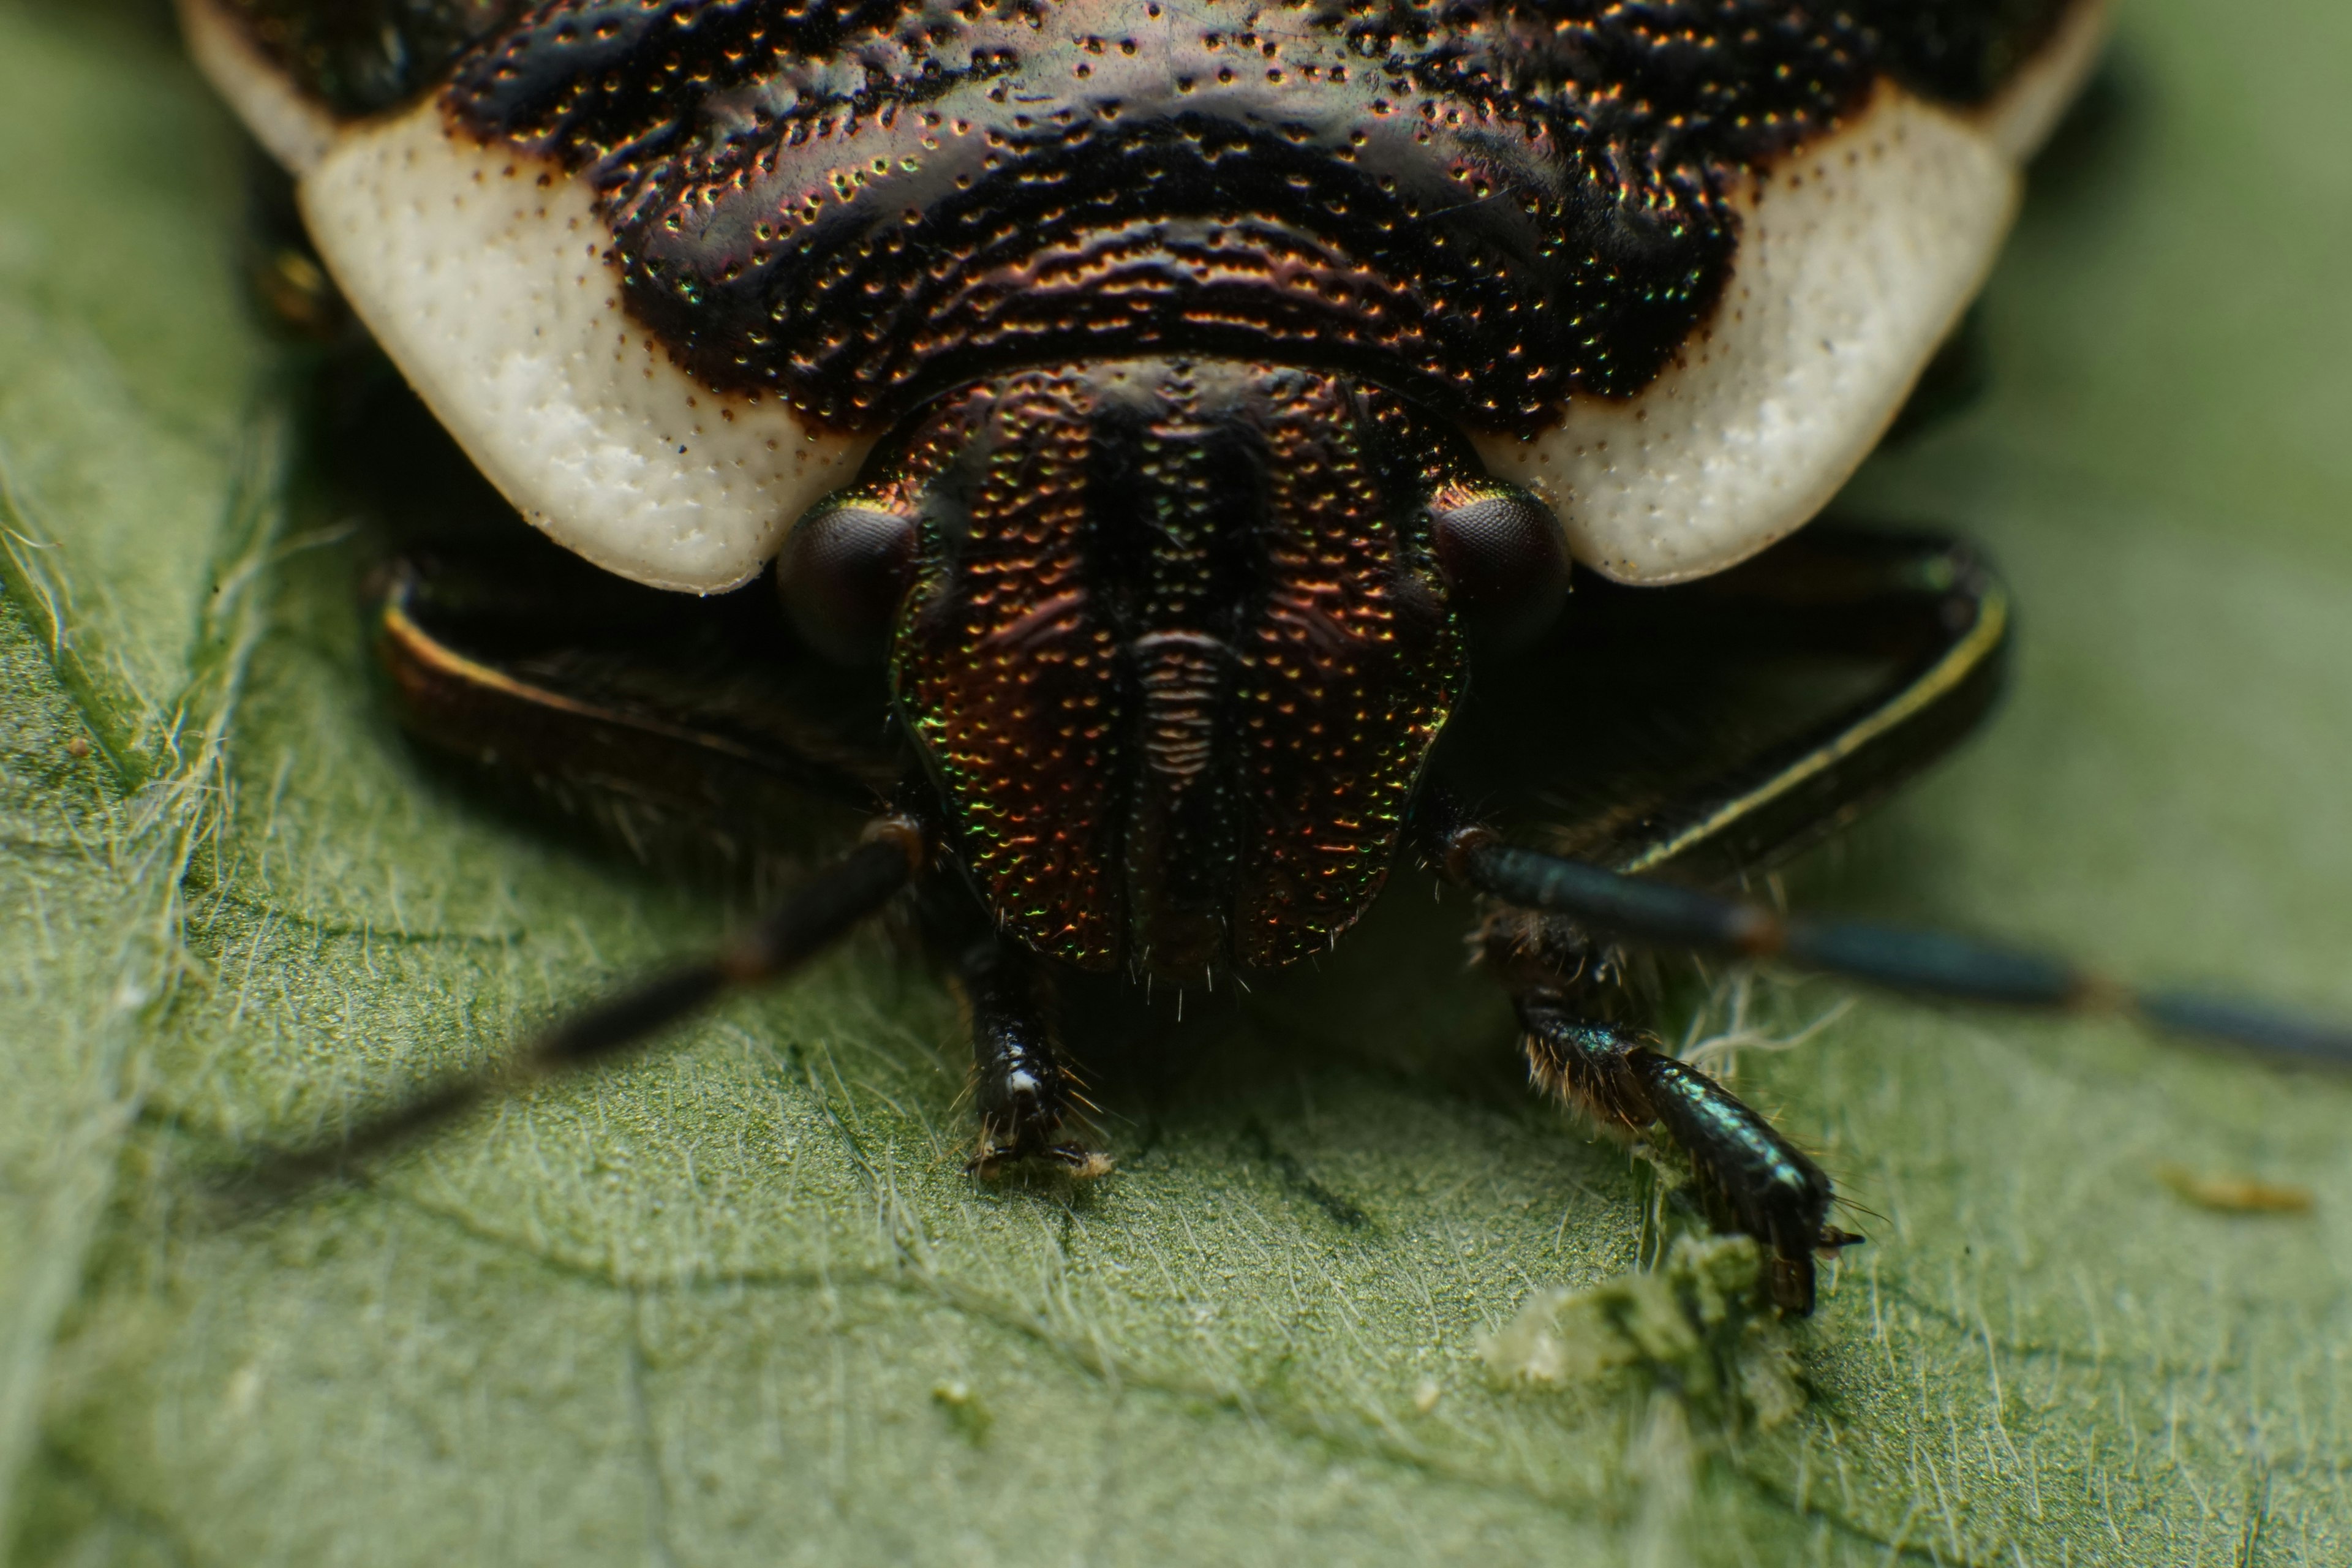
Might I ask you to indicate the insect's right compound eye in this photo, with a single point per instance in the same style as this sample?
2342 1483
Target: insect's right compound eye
1503 557
843 570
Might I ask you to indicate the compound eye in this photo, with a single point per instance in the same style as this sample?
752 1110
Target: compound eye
1504 558
845 567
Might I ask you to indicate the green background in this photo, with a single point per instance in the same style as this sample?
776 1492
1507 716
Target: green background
701 1309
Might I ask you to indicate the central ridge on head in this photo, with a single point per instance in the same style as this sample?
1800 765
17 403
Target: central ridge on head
1175 650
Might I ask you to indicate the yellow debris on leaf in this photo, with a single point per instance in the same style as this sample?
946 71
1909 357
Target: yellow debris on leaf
2227 1194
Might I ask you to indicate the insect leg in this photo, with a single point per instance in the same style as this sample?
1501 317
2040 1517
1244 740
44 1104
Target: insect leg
282 267
1743 716
1023 1087
622 693
1580 1025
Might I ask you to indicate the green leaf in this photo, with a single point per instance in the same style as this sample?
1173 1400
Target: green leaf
738 1301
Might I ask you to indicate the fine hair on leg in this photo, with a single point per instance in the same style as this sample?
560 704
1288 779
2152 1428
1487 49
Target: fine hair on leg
1578 1024
1023 1088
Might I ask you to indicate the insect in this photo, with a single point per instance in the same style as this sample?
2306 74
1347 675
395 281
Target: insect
1172 432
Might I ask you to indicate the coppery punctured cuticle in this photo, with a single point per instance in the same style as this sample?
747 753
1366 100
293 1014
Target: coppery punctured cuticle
1172 654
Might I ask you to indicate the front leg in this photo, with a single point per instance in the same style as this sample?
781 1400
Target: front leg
1581 1026
1023 1087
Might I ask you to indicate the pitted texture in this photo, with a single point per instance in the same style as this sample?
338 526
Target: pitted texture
1177 655
1486 206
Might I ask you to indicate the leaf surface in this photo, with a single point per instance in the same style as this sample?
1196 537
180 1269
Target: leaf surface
738 1301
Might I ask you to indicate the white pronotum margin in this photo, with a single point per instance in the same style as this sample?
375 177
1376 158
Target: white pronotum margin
1857 255
481 271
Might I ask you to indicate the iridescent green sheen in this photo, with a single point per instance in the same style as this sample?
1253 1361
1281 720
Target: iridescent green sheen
1725 1124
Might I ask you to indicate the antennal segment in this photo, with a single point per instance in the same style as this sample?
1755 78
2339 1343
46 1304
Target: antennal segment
1923 963
817 914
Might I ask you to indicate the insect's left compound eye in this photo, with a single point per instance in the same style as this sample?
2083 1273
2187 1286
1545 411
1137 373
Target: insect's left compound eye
845 567
1504 560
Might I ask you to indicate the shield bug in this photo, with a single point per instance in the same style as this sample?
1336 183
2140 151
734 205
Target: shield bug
1173 433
